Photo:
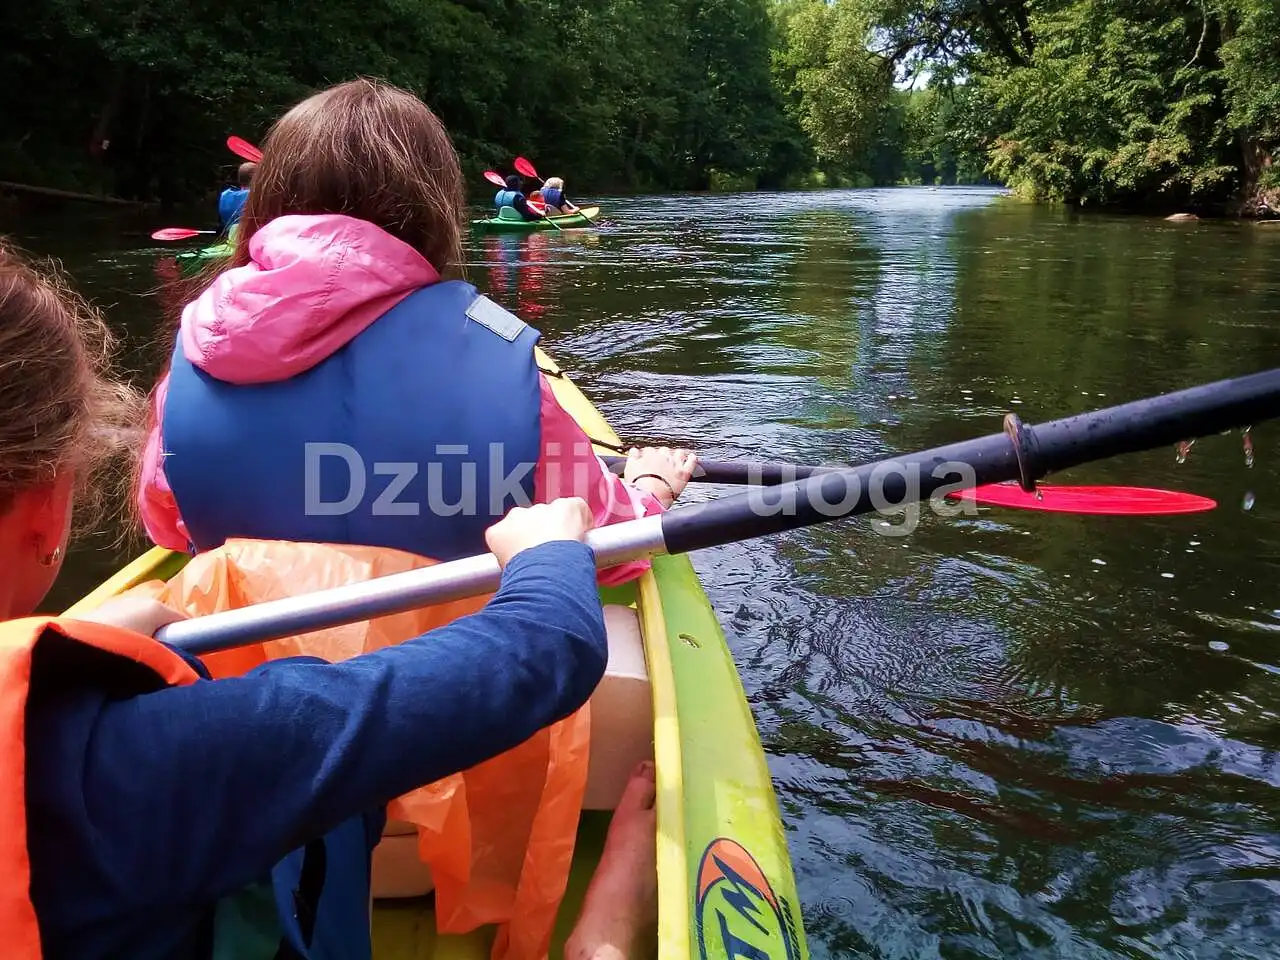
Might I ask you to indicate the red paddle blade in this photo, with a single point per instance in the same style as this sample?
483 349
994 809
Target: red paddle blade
178 233
525 168
495 178
244 149
1133 501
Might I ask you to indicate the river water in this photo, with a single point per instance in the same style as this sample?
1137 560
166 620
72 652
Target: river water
1016 734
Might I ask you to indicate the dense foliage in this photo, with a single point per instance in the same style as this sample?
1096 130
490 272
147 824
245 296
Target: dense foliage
1103 102
136 97
615 93
1165 103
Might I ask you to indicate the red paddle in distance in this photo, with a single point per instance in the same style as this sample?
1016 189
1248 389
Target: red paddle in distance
243 149
497 181
178 233
526 169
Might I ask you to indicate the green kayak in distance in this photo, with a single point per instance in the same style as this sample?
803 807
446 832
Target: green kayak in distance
193 261
508 221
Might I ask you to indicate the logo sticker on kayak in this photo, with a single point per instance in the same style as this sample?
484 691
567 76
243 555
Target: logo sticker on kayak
738 915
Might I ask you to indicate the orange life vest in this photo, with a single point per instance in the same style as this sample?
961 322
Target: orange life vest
498 838
18 640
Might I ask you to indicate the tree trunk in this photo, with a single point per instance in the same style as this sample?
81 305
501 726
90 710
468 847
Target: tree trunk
100 140
630 166
1256 200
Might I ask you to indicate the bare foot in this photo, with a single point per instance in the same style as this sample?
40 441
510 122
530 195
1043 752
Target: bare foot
621 906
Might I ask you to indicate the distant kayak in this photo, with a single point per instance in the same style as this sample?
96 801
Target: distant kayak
512 222
192 261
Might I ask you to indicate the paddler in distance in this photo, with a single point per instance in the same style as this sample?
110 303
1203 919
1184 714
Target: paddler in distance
512 195
554 197
232 200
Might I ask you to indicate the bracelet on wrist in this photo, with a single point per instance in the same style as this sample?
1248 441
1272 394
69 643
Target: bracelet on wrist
661 479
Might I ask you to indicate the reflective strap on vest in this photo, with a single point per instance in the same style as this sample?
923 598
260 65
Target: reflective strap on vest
417 435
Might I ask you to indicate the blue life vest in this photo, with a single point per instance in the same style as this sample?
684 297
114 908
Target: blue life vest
506 198
553 196
231 204
416 435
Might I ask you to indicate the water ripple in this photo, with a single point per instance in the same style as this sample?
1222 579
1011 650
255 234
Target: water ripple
1006 734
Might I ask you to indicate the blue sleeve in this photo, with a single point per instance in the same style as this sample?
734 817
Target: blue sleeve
230 205
198 790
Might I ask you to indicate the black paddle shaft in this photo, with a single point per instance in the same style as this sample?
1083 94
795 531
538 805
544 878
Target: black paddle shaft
1022 452
739 472
764 473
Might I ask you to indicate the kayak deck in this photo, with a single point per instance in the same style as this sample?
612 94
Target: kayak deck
723 869
585 217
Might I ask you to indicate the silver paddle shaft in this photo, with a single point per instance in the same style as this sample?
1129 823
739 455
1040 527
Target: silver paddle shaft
468 577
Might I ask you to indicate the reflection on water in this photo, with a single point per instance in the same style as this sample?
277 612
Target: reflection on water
1016 734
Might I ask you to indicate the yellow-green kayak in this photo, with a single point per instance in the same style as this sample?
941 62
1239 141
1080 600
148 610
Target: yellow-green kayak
725 879
512 222
193 261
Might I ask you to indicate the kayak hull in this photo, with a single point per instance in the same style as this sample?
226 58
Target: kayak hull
192 262
724 874
585 217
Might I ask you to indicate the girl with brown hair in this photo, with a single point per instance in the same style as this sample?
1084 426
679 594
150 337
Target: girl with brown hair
330 385
150 812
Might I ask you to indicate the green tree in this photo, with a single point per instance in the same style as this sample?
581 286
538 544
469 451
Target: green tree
1250 55
1113 109
612 93
1100 102
839 90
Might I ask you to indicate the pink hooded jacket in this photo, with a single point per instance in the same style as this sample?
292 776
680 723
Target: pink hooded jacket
313 284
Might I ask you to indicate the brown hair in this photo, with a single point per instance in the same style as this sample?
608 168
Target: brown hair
245 173
368 150
362 148
60 406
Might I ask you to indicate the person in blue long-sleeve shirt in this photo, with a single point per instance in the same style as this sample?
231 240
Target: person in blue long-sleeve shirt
144 812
